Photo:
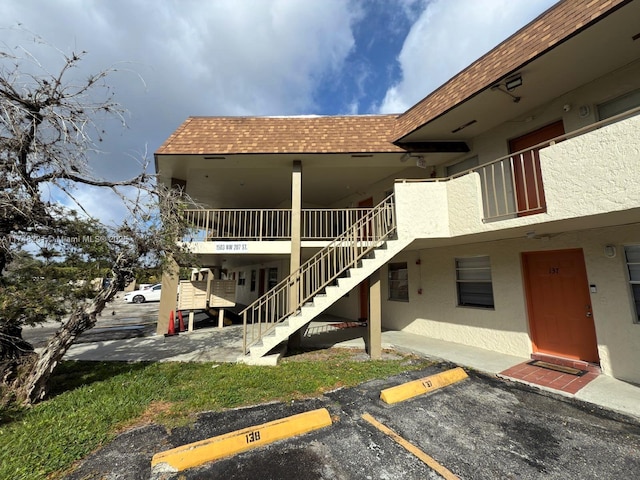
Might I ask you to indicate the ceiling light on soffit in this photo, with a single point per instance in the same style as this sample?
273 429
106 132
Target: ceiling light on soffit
508 86
512 83
462 127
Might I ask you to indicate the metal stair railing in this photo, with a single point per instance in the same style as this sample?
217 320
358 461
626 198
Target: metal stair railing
320 271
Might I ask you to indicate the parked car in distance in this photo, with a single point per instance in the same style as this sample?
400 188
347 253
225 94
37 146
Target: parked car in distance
151 294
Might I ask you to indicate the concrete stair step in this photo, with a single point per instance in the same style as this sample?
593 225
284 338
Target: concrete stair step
331 293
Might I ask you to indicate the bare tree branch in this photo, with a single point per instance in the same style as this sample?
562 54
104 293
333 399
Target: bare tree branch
50 124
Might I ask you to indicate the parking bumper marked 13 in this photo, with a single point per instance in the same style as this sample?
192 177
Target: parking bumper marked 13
410 447
215 448
412 389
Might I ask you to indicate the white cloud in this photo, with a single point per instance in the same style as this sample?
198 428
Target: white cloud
255 57
447 37
249 57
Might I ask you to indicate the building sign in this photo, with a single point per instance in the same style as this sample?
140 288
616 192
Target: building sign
232 247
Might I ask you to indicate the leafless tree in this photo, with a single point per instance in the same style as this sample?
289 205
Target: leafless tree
50 126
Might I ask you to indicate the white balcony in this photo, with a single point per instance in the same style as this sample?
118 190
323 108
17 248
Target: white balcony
584 179
267 224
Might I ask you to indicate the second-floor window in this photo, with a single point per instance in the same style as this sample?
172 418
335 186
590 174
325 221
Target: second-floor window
473 280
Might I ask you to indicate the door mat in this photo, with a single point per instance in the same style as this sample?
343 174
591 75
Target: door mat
558 368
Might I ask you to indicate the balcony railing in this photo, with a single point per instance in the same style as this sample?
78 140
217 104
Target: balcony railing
341 254
268 224
513 185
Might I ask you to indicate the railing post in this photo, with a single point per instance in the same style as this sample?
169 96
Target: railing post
244 333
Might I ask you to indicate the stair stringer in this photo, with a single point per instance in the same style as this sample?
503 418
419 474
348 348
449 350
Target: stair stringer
376 259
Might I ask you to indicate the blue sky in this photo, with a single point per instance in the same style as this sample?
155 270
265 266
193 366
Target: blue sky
257 57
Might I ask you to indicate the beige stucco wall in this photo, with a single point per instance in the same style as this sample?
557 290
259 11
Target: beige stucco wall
505 329
422 209
434 312
348 306
592 174
244 295
495 143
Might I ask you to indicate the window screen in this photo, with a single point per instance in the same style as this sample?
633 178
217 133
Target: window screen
398 282
632 253
473 279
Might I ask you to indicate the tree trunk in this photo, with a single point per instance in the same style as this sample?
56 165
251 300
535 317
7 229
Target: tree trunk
34 386
16 358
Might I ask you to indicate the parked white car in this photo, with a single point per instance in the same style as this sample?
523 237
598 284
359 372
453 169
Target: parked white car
151 294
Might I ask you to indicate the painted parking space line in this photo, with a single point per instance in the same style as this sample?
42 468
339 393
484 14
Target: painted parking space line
414 388
411 448
215 448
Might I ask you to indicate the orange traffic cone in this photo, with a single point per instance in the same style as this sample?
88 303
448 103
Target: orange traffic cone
172 326
180 322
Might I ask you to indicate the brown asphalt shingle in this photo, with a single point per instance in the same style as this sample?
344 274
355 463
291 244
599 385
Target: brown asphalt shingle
375 133
234 135
552 27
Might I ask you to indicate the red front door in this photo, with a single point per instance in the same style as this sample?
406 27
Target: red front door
559 304
526 169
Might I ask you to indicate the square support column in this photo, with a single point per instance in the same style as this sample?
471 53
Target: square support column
295 340
168 295
373 341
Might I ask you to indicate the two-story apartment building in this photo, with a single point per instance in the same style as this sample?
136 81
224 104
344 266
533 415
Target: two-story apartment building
502 211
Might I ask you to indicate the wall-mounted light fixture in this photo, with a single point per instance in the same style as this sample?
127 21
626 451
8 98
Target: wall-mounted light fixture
610 251
420 161
509 85
512 83
583 111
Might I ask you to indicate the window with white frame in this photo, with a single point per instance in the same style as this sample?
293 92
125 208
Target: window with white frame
398 282
632 253
473 280
241 278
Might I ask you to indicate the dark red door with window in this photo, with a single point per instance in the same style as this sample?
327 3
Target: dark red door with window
526 169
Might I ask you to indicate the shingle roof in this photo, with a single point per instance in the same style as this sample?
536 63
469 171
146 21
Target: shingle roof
550 28
375 133
302 134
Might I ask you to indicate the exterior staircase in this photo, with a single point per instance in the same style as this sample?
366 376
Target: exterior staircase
325 278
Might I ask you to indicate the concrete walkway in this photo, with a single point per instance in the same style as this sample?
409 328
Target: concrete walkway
225 345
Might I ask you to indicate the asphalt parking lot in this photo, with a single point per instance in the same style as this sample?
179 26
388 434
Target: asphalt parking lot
482 427
479 428
119 320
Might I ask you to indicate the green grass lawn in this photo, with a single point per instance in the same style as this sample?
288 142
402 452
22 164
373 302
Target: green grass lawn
91 402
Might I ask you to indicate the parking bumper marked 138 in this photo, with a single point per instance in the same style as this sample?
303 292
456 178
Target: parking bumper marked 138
410 447
215 448
412 389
